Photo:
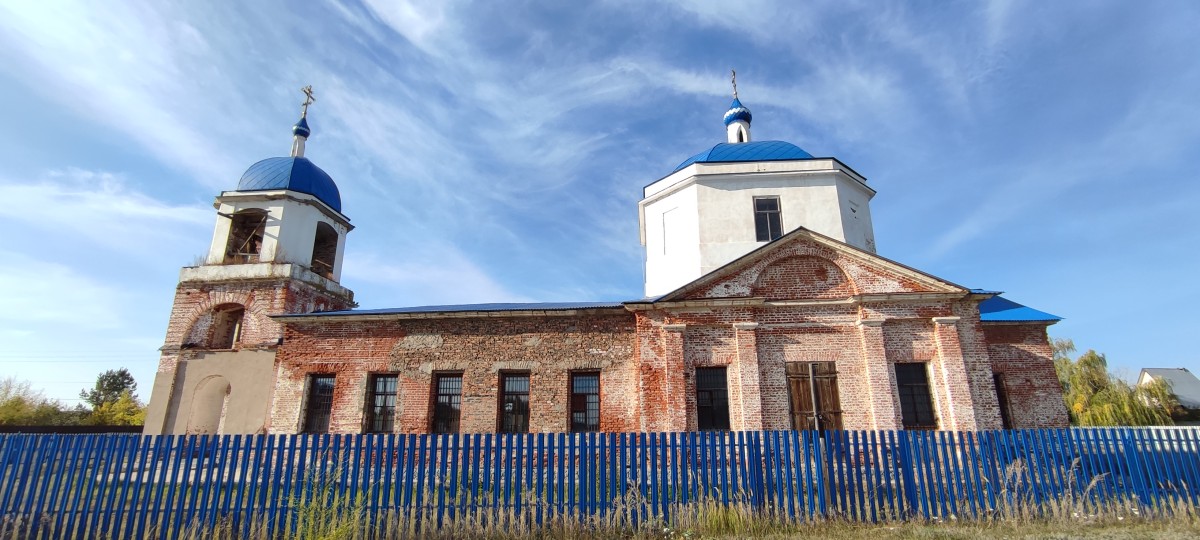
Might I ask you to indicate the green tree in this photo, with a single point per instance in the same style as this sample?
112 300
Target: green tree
125 411
114 400
21 405
1095 397
109 387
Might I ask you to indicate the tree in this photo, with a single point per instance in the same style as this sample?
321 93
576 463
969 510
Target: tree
21 405
109 387
1095 397
113 400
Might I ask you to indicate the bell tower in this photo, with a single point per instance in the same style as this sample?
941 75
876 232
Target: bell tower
276 249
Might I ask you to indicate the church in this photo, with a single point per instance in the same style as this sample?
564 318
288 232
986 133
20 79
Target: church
766 307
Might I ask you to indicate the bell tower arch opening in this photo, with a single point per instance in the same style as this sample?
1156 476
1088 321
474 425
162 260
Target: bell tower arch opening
324 254
246 231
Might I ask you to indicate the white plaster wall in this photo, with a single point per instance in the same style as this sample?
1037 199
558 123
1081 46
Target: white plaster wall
290 229
726 208
671 234
855 204
821 195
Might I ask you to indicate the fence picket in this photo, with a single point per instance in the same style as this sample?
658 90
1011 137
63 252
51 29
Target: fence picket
129 486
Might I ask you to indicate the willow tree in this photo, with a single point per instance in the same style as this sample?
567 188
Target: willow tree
1095 397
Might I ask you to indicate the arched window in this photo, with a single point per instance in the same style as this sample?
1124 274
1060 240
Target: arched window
226 329
220 328
245 236
324 251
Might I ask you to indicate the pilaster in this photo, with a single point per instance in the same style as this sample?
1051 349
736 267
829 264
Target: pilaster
880 378
951 369
749 377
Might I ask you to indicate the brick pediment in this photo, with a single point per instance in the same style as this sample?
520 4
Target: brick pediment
804 265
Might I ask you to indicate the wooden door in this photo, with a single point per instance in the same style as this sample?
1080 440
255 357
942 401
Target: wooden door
805 379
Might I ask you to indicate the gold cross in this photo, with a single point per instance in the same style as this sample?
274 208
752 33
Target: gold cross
308 99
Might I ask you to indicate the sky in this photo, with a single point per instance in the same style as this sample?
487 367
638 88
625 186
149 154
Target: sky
496 151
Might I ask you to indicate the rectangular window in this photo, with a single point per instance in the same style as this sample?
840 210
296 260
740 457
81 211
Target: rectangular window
319 405
514 403
381 404
767 223
916 404
712 399
585 401
447 402
1002 398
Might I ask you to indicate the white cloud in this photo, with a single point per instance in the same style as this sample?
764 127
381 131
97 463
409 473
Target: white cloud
98 206
40 292
436 275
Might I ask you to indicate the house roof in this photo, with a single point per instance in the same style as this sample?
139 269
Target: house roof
997 309
462 308
1184 384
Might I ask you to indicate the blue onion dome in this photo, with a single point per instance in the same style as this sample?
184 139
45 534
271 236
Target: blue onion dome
301 128
736 112
294 173
750 151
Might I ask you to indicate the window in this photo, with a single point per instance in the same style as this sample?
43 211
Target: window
916 405
712 399
381 404
226 327
245 236
585 401
1002 399
447 402
813 389
324 251
767 224
319 404
514 403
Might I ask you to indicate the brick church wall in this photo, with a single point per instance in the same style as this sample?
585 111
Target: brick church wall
549 348
1022 354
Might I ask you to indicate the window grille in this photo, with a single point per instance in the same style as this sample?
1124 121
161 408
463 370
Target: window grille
585 402
514 403
447 404
916 404
712 399
381 404
319 406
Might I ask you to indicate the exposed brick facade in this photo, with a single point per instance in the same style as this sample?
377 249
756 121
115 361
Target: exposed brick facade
192 314
548 347
1021 353
806 299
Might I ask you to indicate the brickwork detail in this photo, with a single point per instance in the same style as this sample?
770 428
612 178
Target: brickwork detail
1022 354
548 348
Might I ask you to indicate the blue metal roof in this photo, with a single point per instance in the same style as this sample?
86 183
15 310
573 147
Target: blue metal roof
997 309
294 173
750 151
736 112
468 308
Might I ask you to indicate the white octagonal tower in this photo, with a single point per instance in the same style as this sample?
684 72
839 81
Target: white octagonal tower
735 197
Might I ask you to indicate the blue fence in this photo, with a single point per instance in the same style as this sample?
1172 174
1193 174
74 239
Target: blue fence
131 486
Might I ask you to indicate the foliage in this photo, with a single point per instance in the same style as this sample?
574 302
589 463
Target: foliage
113 400
109 387
125 411
21 405
1095 397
